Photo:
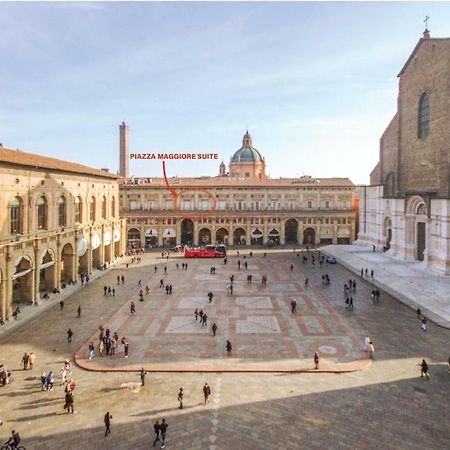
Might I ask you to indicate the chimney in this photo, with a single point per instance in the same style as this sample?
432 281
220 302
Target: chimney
123 169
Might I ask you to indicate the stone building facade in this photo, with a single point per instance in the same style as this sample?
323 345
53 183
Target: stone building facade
58 219
240 207
406 208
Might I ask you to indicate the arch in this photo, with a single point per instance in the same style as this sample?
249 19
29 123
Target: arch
67 264
290 231
423 117
187 231
239 236
16 215
47 278
42 212
256 237
222 236
151 237
169 236
78 210
23 281
416 223
413 205
204 236
133 238
62 211
274 236
309 236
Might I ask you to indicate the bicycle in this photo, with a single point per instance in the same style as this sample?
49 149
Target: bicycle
8 446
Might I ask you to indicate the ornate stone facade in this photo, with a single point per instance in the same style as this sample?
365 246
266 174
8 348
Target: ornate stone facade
406 209
59 219
241 207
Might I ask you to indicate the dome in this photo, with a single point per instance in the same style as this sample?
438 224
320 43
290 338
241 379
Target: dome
247 153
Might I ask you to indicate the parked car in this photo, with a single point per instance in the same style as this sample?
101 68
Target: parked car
331 260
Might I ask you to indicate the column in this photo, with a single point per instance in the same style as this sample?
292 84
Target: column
37 272
196 232
9 269
265 232
178 231
58 262
282 232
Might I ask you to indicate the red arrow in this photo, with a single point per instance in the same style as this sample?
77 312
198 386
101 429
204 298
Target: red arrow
172 191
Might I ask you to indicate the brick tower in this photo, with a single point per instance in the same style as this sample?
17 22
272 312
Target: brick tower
123 169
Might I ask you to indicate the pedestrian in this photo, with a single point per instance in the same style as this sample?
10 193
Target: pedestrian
201 316
140 283
69 335
424 324
306 282
163 430
206 392
161 283
419 313
180 398
69 402
214 328
118 280
423 369
109 291
371 350
105 290
231 289
50 381
362 273
210 297
196 313
31 360
204 320
371 274
61 305
366 344
165 270
79 311
122 278
293 306
147 289
292 267
157 430
107 420
229 348
126 346
350 303
142 374
25 360
316 360
132 308
170 289
91 350
114 292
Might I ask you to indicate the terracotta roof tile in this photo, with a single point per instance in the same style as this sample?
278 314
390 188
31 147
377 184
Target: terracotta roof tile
18 157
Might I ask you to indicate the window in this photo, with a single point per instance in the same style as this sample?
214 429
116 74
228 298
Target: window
423 117
327 204
78 216
61 211
16 216
42 213
104 208
113 207
92 209
309 204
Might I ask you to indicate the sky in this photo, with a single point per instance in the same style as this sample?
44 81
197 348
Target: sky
314 83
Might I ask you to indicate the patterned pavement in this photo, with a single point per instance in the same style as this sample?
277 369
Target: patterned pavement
386 406
256 318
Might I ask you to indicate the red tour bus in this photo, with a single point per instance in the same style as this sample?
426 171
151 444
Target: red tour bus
210 251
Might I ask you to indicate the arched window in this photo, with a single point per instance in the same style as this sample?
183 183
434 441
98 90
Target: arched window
62 211
104 207
42 213
78 213
92 209
113 207
424 116
16 216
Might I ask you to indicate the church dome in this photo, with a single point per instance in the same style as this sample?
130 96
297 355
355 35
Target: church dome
247 153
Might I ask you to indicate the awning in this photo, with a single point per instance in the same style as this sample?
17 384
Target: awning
96 241
274 232
107 238
169 233
82 246
151 232
47 264
116 235
21 274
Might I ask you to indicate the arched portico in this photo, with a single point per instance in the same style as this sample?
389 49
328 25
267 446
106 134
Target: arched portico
204 236
23 281
309 236
291 231
239 236
47 271
67 264
222 236
187 232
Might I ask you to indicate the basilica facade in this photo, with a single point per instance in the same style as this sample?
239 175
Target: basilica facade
238 206
58 219
406 208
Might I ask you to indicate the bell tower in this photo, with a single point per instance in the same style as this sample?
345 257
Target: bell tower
123 132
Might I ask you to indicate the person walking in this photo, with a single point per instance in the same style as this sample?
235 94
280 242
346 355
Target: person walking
25 361
371 350
196 313
132 309
31 360
156 427
69 402
61 305
163 431
107 420
293 306
204 324
91 350
180 398
316 360
206 392
69 335
423 324
419 313
142 374
229 348
79 311
423 369
214 328
126 348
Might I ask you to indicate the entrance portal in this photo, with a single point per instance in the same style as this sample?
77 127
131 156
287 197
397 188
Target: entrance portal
420 240
290 231
187 232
